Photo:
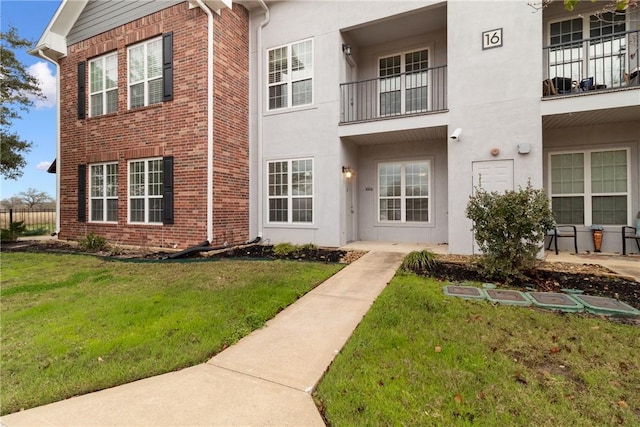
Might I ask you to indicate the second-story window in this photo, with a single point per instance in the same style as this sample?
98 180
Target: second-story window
403 83
145 73
590 47
103 85
290 75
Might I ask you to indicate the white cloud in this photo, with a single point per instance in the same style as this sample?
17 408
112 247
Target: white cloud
43 166
42 72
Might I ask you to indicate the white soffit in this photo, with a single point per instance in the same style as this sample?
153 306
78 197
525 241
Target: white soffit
215 5
54 38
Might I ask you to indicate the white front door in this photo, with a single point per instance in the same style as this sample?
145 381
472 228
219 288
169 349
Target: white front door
492 175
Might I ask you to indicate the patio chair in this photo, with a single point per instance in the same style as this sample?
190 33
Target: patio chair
560 231
634 236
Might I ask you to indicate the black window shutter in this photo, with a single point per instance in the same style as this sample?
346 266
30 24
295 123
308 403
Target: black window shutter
81 89
82 193
167 66
167 194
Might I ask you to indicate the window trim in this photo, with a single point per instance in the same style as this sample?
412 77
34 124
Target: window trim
403 197
403 84
104 89
289 197
105 197
145 80
290 81
588 193
146 196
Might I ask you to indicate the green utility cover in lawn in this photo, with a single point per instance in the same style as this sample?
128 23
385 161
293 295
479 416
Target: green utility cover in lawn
470 292
606 306
508 297
555 301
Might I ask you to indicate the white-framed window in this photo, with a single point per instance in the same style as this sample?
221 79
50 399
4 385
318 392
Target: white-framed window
103 85
145 73
590 187
290 191
404 190
103 196
404 83
145 191
590 46
290 75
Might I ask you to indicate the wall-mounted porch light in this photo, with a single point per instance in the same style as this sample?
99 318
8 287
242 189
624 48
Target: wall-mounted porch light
346 48
347 171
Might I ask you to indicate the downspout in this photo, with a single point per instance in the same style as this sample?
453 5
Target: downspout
260 83
209 13
58 161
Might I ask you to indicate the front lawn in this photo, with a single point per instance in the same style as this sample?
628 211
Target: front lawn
72 324
420 358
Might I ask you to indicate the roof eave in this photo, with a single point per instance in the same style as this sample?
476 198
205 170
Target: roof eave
54 37
215 5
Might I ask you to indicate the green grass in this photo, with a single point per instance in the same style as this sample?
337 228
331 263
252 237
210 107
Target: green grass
421 358
72 324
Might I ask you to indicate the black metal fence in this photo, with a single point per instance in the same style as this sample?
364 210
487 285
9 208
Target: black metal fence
597 63
404 94
37 221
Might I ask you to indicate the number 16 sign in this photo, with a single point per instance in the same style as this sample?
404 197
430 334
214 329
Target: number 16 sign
492 38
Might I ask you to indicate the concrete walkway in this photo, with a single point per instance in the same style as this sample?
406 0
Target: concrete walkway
265 379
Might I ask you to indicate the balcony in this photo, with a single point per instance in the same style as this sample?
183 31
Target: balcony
391 96
598 64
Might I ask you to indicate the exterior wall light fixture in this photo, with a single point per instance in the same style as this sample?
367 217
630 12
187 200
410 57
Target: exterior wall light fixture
346 48
347 171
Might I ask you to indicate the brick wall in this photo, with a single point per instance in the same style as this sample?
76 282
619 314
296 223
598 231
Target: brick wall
175 128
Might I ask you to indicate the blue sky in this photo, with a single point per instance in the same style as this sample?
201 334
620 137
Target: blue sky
38 125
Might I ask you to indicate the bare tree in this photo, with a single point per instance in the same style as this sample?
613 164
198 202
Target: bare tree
13 202
33 198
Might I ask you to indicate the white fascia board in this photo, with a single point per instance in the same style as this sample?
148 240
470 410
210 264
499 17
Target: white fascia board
215 5
54 37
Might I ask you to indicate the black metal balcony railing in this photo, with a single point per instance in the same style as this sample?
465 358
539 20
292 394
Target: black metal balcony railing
598 63
416 92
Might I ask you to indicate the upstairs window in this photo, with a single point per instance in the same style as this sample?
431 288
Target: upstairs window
103 85
290 75
145 73
403 83
593 46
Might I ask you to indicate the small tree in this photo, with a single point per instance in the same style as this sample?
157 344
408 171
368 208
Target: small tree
16 92
510 229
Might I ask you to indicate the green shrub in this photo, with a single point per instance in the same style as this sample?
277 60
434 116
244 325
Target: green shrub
15 230
309 247
91 242
510 229
40 231
419 261
286 250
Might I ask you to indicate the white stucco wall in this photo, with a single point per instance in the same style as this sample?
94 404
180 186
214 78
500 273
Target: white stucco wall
309 132
494 97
